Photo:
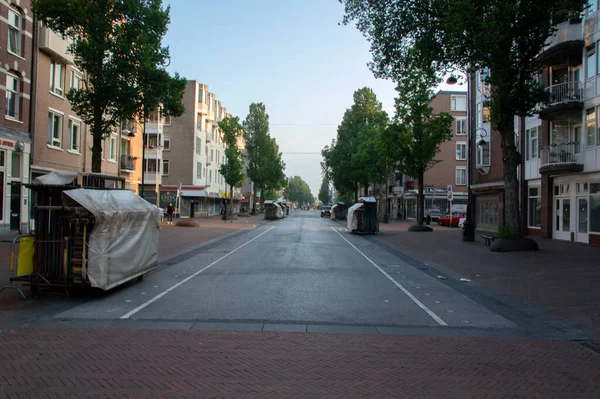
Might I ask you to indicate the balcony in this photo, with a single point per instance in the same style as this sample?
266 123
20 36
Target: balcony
154 127
56 46
127 165
561 158
567 42
565 98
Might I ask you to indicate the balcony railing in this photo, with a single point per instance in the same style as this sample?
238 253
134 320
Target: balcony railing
555 154
565 93
566 32
127 163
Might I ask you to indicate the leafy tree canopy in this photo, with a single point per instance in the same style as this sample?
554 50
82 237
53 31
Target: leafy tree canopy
324 192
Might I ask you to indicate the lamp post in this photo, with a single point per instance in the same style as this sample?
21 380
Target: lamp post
469 230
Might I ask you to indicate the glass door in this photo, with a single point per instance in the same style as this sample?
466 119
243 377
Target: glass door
582 220
562 219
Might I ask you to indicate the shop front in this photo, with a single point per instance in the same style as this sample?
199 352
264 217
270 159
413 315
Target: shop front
436 203
14 174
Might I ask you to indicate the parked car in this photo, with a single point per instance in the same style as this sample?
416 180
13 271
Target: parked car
326 211
453 220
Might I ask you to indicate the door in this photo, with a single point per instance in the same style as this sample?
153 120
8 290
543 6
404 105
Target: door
576 138
15 206
562 219
581 234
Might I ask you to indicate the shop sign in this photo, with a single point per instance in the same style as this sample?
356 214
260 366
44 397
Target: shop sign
168 197
7 143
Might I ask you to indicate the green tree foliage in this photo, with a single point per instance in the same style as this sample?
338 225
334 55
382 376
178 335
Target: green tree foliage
297 190
117 43
416 134
265 164
232 170
501 36
324 192
349 161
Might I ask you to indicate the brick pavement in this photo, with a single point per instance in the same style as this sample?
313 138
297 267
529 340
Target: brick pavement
562 279
59 363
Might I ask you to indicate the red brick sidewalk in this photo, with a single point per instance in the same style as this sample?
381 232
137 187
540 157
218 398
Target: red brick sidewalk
562 278
160 363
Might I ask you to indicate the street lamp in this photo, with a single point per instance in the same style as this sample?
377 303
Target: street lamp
469 231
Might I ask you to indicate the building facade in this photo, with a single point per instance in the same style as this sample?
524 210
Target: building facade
450 169
61 141
18 69
561 145
195 152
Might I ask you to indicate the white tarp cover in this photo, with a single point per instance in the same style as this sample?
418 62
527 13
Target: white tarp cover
279 211
332 212
61 178
367 199
352 223
124 241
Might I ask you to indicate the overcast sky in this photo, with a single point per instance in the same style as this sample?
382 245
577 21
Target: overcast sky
290 55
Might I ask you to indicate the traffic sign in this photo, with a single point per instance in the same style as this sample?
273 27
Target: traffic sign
450 192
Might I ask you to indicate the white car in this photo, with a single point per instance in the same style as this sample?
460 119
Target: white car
461 222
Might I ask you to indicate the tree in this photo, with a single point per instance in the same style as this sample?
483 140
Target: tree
298 191
501 36
273 167
232 170
348 161
324 192
416 134
256 136
117 43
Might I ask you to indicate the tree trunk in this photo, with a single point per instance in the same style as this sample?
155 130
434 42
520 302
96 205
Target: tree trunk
97 152
382 210
356 189
512 218
420 200
231 201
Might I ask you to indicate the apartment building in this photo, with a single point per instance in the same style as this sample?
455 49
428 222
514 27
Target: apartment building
61 141
190 170
18 67
131 156
561 157
451 168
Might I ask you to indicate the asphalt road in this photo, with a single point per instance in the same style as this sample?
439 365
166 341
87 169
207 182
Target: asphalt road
300 270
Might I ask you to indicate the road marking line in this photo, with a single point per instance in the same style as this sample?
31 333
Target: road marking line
185 280
397 284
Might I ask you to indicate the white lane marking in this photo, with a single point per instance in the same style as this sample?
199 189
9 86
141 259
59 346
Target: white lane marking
397 284
185 280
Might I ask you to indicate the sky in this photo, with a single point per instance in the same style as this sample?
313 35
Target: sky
291 55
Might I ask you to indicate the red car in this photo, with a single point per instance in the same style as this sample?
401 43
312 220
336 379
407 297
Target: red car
453 221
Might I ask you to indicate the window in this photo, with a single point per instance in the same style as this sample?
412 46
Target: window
198 145
165 169
461 175
461 150
590 122
151 165
534 207
590 64
16 164
57 78
210 176
167 120
15 34
13 96
485 114
591 7
76 79
461 126
531 141
55 123
458 103
167 142
595 207
486 213
198 170
74 135
112 148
